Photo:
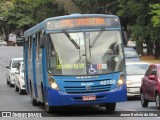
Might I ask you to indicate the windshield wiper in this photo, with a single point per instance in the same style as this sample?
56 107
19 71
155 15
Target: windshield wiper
80 58
71 39
96 38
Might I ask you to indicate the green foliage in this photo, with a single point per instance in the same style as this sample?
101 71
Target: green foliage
140 18
26 13
97 6
155 11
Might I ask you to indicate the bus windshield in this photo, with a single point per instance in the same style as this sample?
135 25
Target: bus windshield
85 53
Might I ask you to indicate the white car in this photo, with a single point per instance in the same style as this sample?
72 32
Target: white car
19 79
131 55
3 43
135 72
11 69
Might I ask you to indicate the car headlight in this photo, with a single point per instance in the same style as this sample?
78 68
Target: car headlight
53 84
129 82
121 80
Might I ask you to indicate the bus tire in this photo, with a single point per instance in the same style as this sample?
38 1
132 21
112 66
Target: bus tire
48 109
110 107
34 102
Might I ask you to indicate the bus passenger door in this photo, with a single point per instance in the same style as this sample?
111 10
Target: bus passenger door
39 68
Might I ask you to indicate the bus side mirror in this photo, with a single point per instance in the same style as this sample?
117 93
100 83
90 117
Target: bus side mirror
42 41
125 38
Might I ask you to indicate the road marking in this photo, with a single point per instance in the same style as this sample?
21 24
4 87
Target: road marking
126 109
4 60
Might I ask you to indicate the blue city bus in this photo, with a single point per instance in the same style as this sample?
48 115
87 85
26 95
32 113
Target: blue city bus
76 59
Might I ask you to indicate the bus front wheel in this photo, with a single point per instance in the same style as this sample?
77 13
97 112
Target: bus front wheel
48 109
110 107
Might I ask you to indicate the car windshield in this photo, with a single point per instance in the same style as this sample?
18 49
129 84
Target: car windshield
130 54
85 53
15 63
136 69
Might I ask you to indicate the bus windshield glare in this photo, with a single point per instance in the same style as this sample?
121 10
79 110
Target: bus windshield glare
85 53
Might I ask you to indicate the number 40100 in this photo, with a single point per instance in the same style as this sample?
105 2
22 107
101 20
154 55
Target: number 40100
107 82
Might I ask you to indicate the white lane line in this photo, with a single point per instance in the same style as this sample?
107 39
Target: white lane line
126 109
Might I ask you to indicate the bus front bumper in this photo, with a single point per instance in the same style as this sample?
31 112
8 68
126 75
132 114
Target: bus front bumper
59 98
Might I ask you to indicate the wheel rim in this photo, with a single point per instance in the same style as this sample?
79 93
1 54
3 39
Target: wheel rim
157 101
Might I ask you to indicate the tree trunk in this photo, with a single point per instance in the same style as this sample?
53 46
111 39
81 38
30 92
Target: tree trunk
139 47
157 49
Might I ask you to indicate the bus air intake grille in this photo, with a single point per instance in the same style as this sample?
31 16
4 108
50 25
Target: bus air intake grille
86 89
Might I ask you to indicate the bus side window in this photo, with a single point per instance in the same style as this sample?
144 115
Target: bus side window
38 44
30 48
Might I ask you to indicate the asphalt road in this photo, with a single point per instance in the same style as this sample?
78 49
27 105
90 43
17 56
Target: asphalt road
12 101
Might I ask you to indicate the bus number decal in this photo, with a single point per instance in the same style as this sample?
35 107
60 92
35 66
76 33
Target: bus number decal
107 82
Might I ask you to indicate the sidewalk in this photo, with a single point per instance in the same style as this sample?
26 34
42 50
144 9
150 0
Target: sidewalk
150 59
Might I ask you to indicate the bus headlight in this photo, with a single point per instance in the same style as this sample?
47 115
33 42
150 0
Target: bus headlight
121 81
53 84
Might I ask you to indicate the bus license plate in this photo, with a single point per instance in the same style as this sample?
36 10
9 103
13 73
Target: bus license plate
88 98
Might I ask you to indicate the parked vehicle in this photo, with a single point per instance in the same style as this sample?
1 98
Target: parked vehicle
11 69
131 55
150 88
3 43
19 41
135 72
19 79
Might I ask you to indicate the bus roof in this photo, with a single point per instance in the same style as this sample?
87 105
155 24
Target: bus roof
42 25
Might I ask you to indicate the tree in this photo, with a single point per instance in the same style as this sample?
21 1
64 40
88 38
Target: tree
20 15
155 11
68 6
97 6
137 17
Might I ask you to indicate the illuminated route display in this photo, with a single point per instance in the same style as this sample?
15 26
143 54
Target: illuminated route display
82 22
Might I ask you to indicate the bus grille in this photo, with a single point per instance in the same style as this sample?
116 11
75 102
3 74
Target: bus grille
83 89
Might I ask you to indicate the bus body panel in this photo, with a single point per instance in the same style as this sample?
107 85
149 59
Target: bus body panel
102 89
77 84
57 98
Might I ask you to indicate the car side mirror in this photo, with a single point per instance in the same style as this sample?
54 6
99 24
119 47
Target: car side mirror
152 77
17 71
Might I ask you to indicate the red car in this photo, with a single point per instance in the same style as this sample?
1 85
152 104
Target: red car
150 87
